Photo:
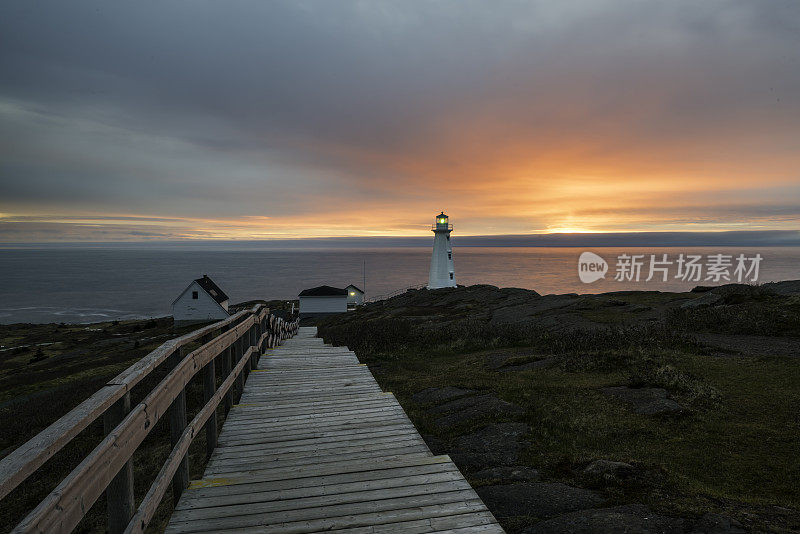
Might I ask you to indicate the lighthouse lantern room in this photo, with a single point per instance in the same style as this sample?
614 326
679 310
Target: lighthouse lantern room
442 270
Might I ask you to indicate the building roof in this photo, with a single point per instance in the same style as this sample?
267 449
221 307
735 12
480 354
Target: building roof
212 289
355 287
323 291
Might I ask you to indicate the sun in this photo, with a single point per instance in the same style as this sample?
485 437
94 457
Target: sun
569 230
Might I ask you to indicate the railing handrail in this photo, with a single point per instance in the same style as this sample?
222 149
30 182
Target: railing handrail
29 456
65 506
149 504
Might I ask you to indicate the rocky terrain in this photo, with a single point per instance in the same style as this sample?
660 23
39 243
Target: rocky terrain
621 412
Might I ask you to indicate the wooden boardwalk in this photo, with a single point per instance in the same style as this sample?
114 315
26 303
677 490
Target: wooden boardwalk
315 445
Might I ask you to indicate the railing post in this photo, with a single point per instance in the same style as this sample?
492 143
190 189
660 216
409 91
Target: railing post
227 356
260 333
240 377
254 343
119 493
209 388
177 424
248 342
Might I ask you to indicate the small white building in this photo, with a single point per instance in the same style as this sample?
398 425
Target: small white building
443 272
355 296
322 300
202 300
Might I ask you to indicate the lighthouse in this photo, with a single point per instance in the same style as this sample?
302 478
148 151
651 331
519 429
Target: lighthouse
442 271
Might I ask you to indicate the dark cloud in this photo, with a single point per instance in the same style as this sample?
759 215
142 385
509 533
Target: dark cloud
217 109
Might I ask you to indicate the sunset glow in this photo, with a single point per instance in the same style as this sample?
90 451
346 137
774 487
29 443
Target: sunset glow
368 119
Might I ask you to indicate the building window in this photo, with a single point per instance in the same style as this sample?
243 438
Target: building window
451 276
194 295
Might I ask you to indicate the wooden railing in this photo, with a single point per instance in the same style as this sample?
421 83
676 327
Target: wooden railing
235 343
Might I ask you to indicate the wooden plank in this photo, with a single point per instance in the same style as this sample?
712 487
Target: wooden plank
309 434
256 402
338 490
265 374
462 523
308 404
353 394
255 413
318 392
368 514
387 412
250 424
242 487
259 439
287 381
342 386
300 499
327 416
257 472
277 503
313 358
311 394
257 398
315 445
250 412
276 375
297 460
346 436
290 428
342 451
370 468
292 432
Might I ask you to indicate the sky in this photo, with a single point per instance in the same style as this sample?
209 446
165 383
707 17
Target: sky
201 120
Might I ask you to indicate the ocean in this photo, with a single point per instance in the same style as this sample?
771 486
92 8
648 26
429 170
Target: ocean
92 284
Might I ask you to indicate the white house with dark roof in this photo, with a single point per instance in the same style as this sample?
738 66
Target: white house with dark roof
355 296
322 300
202 300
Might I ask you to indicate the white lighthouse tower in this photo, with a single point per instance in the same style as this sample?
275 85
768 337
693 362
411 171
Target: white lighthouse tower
442 270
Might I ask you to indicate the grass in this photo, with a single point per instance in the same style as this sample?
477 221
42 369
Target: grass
733 451
767 316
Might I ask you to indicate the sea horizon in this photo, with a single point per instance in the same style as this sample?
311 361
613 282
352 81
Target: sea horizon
743 238
94 284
